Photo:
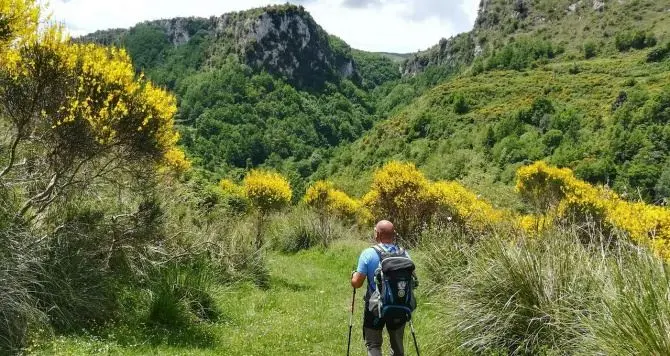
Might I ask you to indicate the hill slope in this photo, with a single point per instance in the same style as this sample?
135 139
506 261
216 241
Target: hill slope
605 117
568 24
522 87
264 86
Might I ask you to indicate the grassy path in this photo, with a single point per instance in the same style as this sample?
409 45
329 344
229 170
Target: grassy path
304 312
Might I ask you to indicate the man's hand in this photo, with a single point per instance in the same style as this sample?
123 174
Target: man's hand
357 279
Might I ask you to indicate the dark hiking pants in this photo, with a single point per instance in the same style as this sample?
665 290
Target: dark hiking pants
373 329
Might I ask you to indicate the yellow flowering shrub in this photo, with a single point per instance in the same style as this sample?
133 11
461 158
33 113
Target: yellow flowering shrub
645 224
402 194
461 206
79 110
328 201
19 21
233 197
89 100
533 224
541 185
317 195
267 191
228 187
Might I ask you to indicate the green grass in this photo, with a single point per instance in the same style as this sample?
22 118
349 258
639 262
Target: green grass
303 312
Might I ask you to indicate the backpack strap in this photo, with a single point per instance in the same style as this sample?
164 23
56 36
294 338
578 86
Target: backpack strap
381 252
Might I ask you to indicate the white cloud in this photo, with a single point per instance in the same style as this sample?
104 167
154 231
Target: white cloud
386 27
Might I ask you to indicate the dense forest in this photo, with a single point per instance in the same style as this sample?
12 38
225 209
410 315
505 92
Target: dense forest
157 182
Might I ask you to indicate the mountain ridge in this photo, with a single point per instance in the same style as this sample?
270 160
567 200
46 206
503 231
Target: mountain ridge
282 39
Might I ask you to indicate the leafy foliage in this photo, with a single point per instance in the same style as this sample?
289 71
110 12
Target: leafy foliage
519 54
625 41
659 54
238 118
375 69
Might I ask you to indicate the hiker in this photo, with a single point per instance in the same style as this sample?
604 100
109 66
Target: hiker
392 316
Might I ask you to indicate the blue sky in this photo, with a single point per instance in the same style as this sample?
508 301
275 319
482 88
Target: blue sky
373 25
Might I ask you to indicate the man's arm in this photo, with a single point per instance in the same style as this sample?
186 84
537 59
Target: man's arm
357 279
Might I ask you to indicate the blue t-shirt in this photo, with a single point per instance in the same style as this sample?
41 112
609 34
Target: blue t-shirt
369 261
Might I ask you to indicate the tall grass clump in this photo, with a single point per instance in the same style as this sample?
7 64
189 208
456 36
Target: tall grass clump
449 251
302 229
214 232
636 308
19 313
181 293
523 296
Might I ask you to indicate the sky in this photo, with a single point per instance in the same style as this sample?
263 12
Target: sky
400 26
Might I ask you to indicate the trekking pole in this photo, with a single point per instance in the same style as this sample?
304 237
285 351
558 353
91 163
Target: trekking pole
416 345
351 320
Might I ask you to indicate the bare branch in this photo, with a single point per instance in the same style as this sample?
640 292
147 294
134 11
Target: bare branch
12 154
41 196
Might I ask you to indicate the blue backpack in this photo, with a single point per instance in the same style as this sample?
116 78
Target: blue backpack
395 282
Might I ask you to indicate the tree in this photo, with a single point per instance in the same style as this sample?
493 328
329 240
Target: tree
267 192
75 114
75 121
590 50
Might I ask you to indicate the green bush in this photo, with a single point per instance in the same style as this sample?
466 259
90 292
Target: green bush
590 50
627 40
659 54
461 105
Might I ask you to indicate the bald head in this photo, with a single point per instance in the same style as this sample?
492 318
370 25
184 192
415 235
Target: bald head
385 232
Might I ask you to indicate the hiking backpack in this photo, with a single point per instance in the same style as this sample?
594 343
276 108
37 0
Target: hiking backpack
395 282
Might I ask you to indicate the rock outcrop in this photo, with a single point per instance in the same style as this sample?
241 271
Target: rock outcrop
451 53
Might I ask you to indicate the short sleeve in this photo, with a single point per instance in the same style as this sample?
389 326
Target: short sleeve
363 263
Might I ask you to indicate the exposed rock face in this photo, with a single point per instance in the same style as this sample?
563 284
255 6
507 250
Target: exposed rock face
598 5
287 42
452 53
176 30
